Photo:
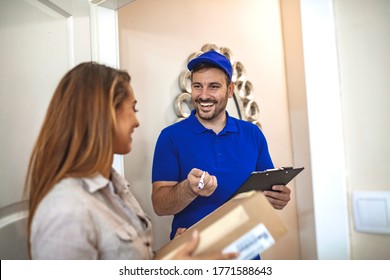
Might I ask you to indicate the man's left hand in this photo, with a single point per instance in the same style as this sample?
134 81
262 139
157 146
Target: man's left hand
279 197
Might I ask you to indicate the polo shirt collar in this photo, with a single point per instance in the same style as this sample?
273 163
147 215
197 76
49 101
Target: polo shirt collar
198 128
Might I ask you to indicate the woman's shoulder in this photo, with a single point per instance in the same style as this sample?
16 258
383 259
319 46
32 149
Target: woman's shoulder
66 195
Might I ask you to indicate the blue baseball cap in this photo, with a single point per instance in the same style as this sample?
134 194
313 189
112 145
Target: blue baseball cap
215 58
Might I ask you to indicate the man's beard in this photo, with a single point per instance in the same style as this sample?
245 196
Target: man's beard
218 108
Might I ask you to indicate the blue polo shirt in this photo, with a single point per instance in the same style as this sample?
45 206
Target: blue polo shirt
231 156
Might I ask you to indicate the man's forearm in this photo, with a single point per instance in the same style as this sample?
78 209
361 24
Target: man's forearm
171 199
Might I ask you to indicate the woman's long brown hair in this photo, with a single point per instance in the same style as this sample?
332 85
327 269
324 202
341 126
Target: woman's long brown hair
77 134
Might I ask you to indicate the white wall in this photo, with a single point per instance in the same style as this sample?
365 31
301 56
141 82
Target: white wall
156 37
363 39
353 36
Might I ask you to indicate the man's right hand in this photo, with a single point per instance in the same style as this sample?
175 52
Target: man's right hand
209 182
171 197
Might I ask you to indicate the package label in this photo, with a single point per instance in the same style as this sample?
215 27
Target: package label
252 243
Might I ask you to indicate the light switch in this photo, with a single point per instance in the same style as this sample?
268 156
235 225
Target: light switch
371 211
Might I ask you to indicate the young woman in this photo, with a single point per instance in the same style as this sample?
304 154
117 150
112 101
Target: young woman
80 207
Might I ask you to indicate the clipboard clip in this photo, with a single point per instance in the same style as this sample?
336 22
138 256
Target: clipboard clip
286 168
281 168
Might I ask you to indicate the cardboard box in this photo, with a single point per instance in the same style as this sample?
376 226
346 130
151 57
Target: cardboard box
247 224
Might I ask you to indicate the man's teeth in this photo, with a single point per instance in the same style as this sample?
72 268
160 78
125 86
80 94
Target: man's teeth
206 104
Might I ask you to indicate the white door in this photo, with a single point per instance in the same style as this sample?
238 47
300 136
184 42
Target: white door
39 42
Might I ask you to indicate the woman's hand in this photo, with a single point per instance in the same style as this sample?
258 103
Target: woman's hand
190 247
179 231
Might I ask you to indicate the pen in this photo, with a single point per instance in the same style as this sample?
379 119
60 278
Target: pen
201 183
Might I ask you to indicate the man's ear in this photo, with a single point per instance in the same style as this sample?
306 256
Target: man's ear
230 90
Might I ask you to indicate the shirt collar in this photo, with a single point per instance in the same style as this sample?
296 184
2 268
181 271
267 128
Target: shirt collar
98 181
95 182
198 128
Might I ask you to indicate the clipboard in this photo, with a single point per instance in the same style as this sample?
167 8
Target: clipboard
264 180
